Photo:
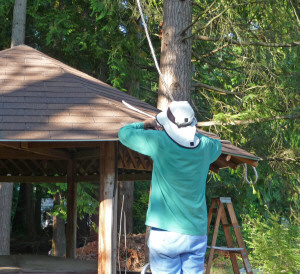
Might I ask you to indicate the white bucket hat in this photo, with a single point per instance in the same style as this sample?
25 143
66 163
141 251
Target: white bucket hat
179 123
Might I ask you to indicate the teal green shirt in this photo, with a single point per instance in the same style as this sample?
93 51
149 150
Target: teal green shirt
177 200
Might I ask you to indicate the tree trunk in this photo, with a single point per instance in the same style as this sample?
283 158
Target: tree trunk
59 233
19 219
6 192
37 208
6 189
175 60
30 220
19 22
126 188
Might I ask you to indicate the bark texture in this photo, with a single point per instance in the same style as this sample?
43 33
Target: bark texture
6 191
19 22
71 212
107 243
30 218
175 60
59 232
126 188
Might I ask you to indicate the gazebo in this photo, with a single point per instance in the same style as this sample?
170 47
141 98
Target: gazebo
58 124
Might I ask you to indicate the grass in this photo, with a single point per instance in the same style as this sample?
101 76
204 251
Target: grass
222 265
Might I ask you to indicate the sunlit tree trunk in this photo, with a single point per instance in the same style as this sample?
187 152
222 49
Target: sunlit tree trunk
6 189
6 192
175 60
126 189
59 232
19 22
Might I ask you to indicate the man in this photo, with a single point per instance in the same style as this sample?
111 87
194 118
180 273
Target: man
177 211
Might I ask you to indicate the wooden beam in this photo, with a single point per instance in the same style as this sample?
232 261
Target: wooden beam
213 168
78 179
72 144
246 160
71 212
87 153
33 179
134 177
223 162
34 144
8 151
108 178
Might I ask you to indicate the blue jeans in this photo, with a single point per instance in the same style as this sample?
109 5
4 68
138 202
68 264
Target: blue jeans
175 253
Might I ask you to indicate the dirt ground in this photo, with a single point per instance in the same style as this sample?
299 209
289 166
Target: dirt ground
132 255
45 264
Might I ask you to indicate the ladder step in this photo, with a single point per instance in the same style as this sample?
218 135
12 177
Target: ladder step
227 225
225 248
225 200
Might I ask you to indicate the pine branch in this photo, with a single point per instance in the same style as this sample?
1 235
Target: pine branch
197 18
211 88
214 18
278 159
206 25
249 121
214 51
247 43
199 58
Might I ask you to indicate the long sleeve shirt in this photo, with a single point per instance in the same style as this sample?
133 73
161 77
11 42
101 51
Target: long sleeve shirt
177 201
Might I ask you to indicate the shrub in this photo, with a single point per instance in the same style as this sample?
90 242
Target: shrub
275 244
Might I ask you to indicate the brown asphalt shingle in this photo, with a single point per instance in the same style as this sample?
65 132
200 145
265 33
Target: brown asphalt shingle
44 99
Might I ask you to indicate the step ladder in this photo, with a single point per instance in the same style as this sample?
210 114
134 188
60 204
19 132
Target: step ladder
230 249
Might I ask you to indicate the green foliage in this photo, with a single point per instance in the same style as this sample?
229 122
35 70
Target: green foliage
140 205
274 244
6 12
87 203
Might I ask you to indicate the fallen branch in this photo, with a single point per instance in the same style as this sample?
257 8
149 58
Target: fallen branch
245 43
246 122
211 88
214 51
197 18
278 159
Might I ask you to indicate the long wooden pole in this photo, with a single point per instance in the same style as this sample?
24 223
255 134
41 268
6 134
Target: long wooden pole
107 209
71 211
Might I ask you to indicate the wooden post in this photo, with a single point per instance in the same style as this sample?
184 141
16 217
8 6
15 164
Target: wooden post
71 211
108 208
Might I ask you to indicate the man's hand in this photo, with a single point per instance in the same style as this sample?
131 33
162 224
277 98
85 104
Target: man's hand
151 124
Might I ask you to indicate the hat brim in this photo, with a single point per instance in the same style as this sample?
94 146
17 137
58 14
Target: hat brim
183 136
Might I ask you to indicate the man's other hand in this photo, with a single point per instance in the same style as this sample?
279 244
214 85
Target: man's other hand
151 124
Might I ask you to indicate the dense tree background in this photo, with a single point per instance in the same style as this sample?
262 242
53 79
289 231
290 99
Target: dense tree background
246 79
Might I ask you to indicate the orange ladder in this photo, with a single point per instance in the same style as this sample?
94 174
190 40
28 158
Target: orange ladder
230 249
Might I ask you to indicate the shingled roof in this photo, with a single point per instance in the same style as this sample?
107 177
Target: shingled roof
44 100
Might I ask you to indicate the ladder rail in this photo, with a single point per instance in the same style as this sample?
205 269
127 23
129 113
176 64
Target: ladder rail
214 239
230 249
239 238
229 241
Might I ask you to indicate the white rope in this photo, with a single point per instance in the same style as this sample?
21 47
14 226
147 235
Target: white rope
152 50
246 175
146 266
